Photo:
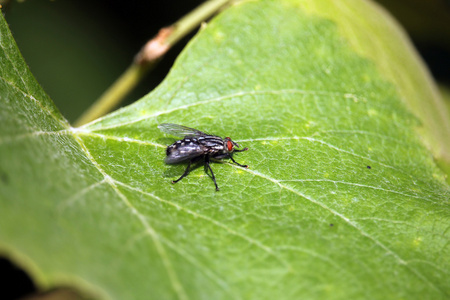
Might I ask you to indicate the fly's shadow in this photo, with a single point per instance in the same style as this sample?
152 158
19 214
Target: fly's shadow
176 170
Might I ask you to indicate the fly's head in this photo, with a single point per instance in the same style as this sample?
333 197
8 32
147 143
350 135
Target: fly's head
229 146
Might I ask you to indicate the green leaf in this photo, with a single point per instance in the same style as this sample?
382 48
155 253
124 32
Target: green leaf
342 199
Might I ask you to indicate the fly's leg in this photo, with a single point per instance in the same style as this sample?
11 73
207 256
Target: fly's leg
184 174
242 150
244 166
212 173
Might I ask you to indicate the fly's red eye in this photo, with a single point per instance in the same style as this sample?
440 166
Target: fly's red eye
229 145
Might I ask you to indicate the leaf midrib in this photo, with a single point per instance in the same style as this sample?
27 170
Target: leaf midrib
349 96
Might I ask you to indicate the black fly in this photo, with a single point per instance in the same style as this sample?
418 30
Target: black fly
196 144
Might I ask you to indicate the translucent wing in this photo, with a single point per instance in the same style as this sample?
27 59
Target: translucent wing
180 130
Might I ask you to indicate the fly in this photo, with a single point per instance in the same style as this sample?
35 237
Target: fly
195 145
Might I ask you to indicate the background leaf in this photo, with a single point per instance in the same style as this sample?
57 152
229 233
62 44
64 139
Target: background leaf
342 200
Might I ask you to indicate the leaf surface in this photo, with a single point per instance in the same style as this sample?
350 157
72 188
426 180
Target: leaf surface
342 200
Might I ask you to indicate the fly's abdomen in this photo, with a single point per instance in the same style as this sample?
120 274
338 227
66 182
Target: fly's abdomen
185 149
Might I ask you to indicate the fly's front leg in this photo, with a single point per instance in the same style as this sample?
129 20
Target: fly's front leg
244 166
212 173
185 172
242 150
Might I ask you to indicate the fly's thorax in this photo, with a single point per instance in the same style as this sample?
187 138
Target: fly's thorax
211 143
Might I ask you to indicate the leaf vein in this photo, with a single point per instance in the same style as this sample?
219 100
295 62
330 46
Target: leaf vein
218 99
321 142
119 139
358 185
44 108
71 200
17 138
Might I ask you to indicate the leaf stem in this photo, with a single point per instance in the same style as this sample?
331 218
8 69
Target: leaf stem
147 58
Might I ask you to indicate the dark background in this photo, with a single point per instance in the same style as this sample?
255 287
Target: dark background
76 49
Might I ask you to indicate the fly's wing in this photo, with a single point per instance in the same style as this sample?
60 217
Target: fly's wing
180 130
182 151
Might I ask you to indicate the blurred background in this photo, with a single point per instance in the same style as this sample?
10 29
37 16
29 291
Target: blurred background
76 49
